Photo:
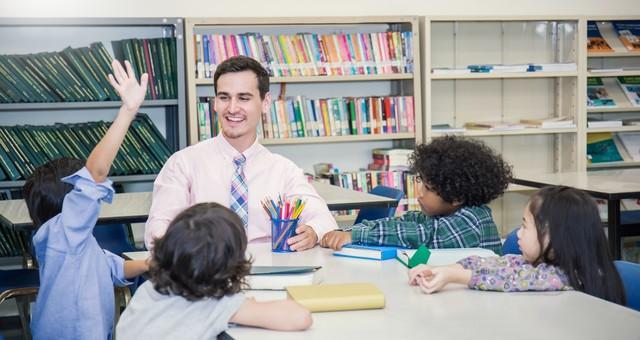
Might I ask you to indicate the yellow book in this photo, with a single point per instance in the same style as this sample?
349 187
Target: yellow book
336 297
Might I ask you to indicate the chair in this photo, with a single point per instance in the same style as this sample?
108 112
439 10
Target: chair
21 284
376 213
630 275
510 245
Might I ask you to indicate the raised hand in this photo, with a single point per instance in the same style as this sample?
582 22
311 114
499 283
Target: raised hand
125 83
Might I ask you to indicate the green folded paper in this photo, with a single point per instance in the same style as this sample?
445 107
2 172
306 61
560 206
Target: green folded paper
411 258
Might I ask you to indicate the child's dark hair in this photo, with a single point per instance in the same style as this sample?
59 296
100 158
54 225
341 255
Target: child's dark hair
202 254
44 191
461 170
243 63
577 243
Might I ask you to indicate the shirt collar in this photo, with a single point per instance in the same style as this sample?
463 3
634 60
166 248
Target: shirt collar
230 152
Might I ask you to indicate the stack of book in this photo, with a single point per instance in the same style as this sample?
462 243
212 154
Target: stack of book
597 94
309 54
298 117
12 243
595 41
80 74
550 123
25 147
631 88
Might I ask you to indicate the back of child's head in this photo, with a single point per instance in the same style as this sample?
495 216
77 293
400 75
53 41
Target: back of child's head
202 254
44 191
461 170
576 241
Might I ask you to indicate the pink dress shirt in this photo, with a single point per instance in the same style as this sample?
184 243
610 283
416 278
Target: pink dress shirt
203 172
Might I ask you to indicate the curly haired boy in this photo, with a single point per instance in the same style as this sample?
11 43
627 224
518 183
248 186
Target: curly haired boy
459 178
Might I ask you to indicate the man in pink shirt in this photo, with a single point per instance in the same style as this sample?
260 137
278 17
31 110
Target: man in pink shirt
233 169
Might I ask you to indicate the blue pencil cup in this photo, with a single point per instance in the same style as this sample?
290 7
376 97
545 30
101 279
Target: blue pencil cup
281 230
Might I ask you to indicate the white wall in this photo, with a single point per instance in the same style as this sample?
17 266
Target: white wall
271 8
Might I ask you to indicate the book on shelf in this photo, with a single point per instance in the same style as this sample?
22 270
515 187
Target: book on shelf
447 129
595 41
450 71
631 87
367 252
390 159
495 126
80 74
280 277
25 147
597 94
601 148
593 122
629 33
522 68
337 297
300 117
309 54
605 70
365 180
631 143
550 123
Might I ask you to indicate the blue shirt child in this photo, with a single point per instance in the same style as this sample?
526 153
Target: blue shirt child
76 299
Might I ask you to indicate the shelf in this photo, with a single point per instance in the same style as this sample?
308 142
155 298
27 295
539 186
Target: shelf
115 179
326 79
614 74
613 165
337 139
615 129
504 75
487 133
80 105
619 108
613 54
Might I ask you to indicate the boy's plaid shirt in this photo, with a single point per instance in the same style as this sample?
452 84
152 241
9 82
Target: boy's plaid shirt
466 228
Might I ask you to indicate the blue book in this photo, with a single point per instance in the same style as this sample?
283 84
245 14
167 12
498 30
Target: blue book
367 252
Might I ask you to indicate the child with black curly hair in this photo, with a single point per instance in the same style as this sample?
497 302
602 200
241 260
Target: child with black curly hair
197 271
459 178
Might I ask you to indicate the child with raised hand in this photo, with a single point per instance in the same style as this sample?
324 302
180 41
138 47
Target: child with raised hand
459 177
563 247
197 271
76 297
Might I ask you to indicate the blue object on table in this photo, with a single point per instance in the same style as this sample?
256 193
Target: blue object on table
377 213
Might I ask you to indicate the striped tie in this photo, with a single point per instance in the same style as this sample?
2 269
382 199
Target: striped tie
239 190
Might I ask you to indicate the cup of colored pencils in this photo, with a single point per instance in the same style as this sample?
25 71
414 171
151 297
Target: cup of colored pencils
284 215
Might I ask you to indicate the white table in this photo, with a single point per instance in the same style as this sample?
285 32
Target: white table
134 207
611 185
454 313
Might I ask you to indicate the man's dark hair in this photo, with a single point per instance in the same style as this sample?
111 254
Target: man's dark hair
202 254
239 64
461 170
44 192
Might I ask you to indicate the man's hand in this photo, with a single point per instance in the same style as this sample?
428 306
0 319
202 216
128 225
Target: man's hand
306 238
336 239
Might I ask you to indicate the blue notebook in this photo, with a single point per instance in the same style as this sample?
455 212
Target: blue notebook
367 252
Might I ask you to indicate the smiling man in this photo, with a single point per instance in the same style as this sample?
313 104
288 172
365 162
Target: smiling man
233 169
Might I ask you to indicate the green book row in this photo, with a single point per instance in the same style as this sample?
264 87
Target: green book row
80 74
12 243
23 148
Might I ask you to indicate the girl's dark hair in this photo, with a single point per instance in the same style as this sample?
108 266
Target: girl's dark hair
44 191
462 170
202 254
577 243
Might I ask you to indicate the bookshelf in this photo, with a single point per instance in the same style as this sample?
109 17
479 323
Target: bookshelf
457 98
315 87
618 62
32 36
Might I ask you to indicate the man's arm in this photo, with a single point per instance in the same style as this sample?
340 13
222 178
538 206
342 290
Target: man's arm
132 94
135 268
170 197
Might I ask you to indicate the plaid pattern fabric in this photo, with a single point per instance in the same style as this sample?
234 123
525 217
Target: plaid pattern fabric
239 190
466 228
